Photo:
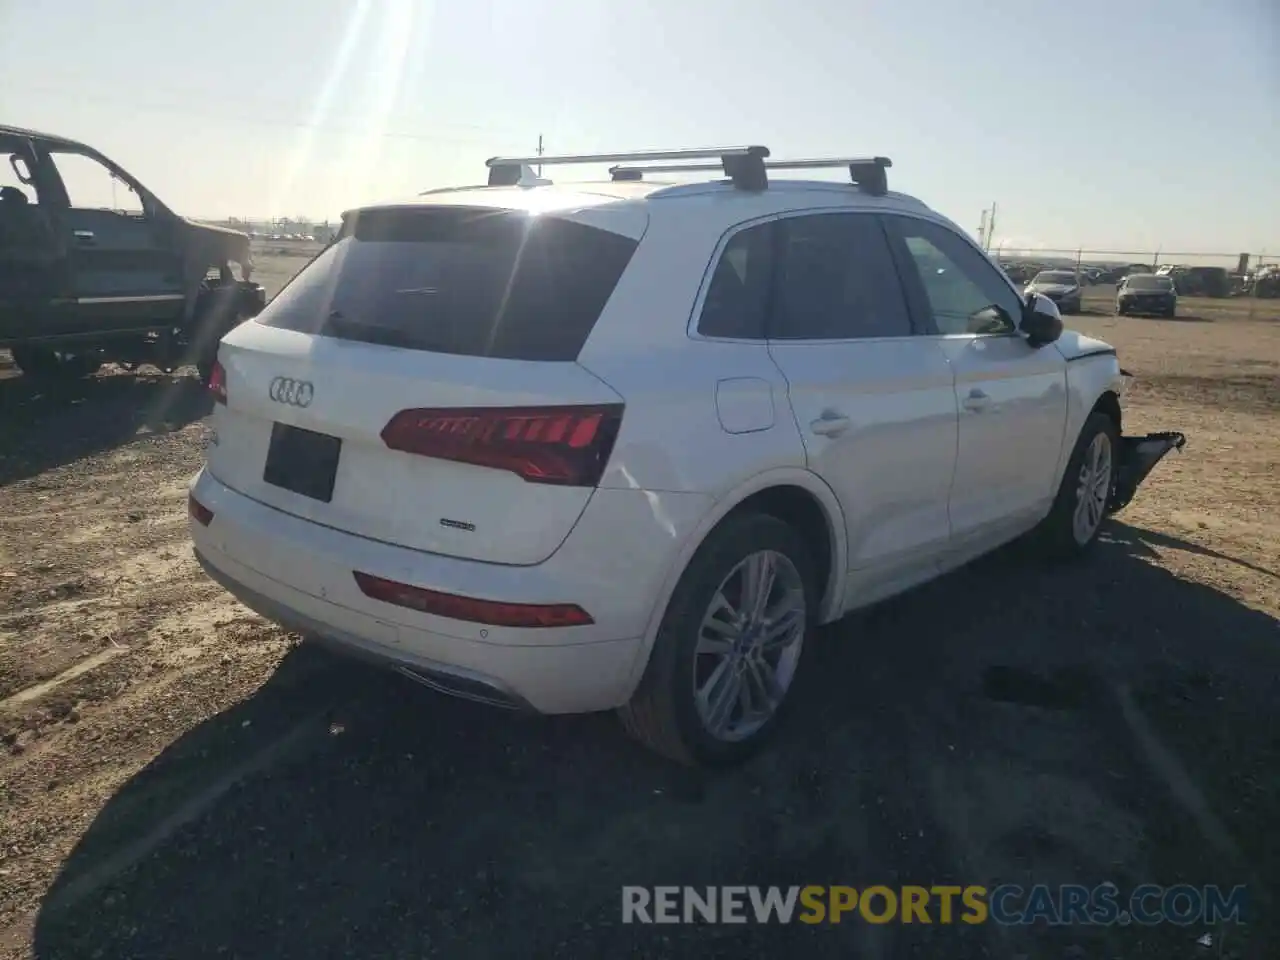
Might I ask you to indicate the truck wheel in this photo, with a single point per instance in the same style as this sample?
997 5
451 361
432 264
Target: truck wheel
1076 517
54 364
729 645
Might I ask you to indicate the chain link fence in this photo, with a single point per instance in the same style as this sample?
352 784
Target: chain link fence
1194 273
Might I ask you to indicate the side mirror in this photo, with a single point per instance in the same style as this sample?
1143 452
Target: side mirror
1041 321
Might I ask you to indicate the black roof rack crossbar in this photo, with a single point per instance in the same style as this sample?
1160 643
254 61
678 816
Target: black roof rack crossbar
867 172
743 165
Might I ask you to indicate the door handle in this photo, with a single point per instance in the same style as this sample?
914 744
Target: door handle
977 400
84 236
829 424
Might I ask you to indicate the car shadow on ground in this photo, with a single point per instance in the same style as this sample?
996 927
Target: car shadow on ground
1176 318
965 733
1090 311
45 426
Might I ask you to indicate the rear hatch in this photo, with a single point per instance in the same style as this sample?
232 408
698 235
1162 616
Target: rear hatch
417 383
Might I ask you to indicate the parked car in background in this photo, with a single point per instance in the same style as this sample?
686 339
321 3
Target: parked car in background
1060 286
1019 273
1147 293
1265 283
624 444
1199 281
95 269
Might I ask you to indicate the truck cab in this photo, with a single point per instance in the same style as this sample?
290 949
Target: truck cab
95 268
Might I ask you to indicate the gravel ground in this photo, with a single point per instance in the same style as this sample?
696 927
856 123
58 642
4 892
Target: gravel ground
179 778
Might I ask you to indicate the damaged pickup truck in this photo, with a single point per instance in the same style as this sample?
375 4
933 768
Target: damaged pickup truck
95 269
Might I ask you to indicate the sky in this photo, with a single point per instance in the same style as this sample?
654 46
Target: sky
1125 125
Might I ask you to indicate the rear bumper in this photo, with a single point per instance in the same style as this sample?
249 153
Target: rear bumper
439 676
300 574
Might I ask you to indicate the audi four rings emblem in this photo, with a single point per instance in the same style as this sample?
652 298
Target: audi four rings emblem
296 393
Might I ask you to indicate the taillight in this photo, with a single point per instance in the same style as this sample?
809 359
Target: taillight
491 612
198 512
218 382
568 445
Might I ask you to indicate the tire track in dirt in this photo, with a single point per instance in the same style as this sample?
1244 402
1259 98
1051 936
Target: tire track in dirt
94 558
112 641
40 689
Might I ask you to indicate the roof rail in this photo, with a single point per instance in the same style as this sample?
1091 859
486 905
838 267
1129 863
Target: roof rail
868 173
743 165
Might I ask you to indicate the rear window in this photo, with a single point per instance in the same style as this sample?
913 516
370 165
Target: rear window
480 283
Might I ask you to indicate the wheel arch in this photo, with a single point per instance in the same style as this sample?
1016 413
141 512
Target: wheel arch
797 496
1108 402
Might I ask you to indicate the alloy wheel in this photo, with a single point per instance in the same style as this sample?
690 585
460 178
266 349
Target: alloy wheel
1092 489
749 644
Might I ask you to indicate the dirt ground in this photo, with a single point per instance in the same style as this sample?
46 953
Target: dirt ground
179 778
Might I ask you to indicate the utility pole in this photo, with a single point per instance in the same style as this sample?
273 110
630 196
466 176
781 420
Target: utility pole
982 230
991 227
539 154
1257 267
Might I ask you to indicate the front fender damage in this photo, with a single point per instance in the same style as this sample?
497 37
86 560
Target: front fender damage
1137 457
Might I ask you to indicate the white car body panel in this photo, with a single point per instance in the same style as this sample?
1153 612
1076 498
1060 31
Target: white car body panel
891 461
835 601
1093 371
1012 402
307 568
918 480
381 494
1074 345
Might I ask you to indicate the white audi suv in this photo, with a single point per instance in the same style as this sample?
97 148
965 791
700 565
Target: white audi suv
622 444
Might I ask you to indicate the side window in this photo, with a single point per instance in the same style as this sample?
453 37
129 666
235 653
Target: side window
92 186
837 281
15 182
965 292
738 298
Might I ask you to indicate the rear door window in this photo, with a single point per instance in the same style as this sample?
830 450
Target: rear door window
464 281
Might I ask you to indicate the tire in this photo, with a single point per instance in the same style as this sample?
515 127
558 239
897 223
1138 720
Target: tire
1121 311
54 365
204 367
1062 534
664 712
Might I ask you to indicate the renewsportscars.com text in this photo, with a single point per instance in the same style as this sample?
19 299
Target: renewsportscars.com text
1008 904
